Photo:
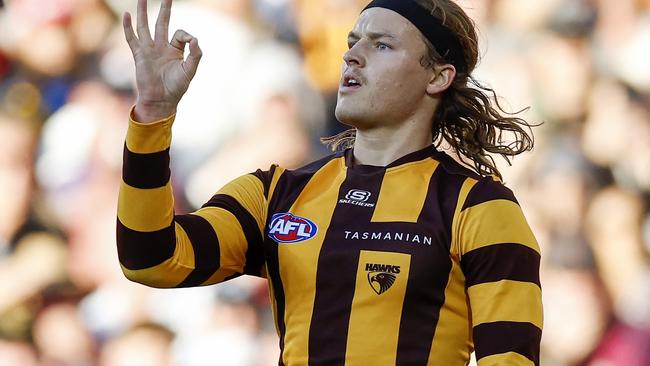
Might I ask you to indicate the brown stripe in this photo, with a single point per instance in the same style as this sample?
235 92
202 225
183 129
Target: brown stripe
291 184
487 189
414 156
336 272
271 253
255 249
425 292
146 170
453 167
206 248
287 190
232 276
501 337
507 261
139 250
265 177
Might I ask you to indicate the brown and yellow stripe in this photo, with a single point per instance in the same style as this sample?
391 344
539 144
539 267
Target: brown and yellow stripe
416 263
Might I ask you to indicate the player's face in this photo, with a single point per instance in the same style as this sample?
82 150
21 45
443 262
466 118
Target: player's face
382 81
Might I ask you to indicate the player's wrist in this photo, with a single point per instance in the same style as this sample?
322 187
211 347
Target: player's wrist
149 112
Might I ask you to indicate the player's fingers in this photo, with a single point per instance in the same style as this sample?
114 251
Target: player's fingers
162 23
179 39
131 39
143 21
192 62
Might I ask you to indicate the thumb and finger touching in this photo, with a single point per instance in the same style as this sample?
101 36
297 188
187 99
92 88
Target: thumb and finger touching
178 41
191 63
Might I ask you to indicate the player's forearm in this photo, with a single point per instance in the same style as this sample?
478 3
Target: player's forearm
145 227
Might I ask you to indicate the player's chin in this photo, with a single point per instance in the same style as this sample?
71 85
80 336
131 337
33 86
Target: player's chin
349 114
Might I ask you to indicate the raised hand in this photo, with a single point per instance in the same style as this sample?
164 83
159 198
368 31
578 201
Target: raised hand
162 75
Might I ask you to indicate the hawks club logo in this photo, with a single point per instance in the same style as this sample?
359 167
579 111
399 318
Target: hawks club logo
381 276
287 228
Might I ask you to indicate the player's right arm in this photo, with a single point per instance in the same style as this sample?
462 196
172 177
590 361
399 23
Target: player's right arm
155 246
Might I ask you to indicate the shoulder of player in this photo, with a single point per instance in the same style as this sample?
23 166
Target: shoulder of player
314 166
288 180
453 167
486 189
483 188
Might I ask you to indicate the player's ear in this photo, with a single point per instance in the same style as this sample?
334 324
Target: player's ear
441 79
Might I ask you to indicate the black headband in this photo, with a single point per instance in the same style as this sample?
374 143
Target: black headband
440 36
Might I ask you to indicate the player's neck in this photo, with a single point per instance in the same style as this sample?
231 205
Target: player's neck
382 145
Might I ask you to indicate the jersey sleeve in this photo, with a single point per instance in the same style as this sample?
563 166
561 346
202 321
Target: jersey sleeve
500 259
156 247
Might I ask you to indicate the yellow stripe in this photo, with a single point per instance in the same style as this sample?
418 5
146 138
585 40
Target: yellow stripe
218 276
462 196
492 222
297 262
403 192
274 306
249 192
506 300
375 318
149 138
452 342
509 358
145 209
170 272
232 242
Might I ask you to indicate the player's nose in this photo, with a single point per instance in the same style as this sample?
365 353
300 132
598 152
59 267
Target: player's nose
354 56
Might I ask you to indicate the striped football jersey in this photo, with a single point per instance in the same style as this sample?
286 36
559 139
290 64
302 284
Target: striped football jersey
419 262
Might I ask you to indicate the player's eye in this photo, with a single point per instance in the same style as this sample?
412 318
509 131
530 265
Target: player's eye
382 46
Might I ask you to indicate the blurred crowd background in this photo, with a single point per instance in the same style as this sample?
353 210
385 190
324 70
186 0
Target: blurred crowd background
265 92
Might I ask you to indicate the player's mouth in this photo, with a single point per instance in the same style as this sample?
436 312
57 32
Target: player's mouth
350 82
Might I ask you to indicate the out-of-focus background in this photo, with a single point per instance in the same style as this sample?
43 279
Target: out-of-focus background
265 92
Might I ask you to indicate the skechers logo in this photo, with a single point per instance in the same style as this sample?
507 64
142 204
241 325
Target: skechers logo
287 228
381 276
357 197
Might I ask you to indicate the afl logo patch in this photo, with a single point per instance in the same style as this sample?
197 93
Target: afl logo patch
287 228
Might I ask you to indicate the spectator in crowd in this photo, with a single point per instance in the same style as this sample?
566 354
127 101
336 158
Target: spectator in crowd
32 255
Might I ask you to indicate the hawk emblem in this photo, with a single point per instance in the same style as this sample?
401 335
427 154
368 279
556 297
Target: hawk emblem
380 281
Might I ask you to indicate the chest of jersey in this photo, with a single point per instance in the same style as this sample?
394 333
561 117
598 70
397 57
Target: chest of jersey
360 255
